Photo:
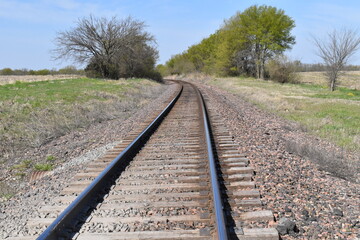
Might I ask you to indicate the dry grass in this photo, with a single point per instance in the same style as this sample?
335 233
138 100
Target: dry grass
333 116
350 79
9 79
333 160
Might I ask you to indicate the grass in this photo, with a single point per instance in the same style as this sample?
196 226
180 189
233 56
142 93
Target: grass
21 168
331 115
40 94
6 192
50 158
349 79
43 167
34 113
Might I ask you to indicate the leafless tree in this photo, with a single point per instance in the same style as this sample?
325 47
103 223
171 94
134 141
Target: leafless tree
336 51
100 43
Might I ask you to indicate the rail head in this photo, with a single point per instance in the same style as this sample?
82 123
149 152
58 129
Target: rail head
79 207
218 204
221 228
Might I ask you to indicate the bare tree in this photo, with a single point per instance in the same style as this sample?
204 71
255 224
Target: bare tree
336 51
100 43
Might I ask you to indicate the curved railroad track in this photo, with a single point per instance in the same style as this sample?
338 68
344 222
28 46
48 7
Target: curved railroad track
181 178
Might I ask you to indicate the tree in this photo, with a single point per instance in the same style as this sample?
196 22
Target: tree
111 48
265 31
6 71
241 46
336 51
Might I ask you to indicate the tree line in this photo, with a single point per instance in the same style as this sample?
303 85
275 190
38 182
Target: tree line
24 71
252 43
242 46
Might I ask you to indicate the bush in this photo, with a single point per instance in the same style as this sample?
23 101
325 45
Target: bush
69 70
40 72
163 70
282 70
7 71
155 75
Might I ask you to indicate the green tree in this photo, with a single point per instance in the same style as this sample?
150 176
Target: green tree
266 31
241 46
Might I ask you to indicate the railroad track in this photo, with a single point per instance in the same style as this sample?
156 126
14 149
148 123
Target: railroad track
178 179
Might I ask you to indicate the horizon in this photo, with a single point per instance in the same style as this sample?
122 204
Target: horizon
175 25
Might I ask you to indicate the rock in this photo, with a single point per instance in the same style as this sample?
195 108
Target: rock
338 212
305 214
286 226
287 209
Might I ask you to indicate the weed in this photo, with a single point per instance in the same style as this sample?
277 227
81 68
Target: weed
43 167
50 158
6 192
25 164
8 196
20 174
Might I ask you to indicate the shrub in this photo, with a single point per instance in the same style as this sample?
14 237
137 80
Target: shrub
7 71
282 70
43 167
70 70
40 72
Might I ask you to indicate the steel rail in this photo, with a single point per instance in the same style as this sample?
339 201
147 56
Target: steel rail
69 218
217 199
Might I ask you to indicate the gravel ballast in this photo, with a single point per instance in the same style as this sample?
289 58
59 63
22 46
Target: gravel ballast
308 203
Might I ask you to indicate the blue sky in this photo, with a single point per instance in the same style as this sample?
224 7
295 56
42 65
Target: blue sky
28 27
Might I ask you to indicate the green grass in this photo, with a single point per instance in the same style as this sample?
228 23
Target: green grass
50 158
33 113
340 93
25 164
21 168
331 115
40 94
43 167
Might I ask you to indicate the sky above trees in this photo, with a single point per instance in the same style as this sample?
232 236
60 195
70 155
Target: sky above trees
28 27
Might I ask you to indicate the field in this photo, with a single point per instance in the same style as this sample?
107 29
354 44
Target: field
334 116
35 113
9 79
349 79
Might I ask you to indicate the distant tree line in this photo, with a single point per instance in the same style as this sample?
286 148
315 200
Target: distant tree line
24 71
242 46
319 67
111 48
